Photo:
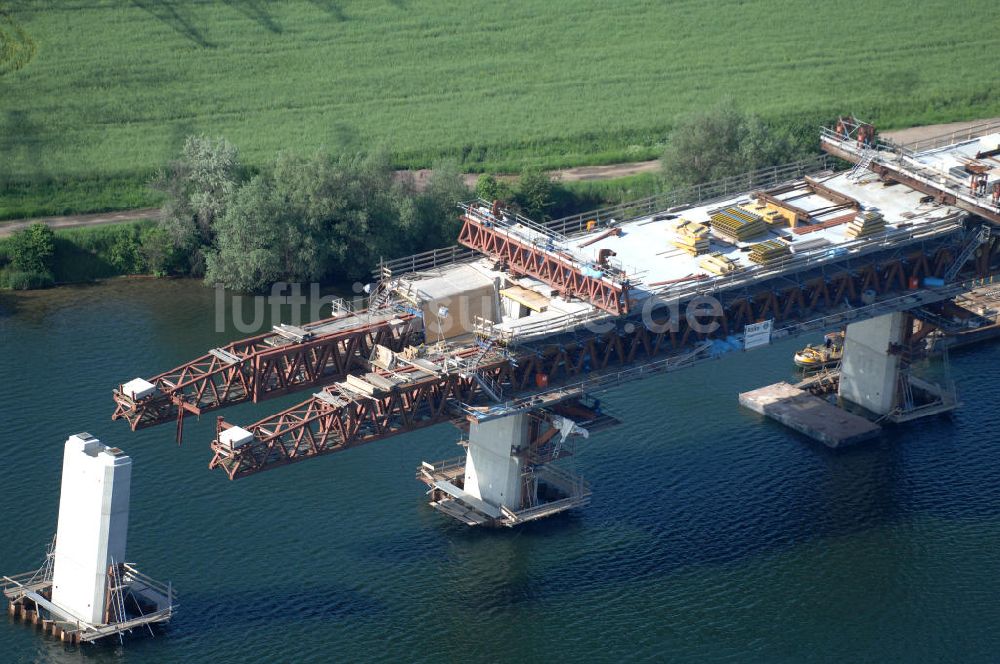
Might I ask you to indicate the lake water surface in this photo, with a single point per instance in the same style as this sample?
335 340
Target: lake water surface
712 534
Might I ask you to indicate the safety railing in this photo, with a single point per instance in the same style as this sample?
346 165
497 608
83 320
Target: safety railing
447 464
526 232
913 148
692 195
952 137
505 218
590 385
146 582
567 323
510 217
427 260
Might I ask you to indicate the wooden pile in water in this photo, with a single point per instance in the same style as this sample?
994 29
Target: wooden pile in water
865 224
718 264
765 252
738 224
692 237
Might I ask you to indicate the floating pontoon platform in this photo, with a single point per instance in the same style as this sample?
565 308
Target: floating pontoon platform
809 415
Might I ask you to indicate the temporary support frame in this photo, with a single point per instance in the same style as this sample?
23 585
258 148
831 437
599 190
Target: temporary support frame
30 598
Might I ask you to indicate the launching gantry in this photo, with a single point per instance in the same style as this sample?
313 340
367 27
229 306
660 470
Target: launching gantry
287 359
510 336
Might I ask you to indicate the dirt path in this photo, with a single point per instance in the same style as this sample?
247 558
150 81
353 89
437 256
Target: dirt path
577 174
420 177
73 221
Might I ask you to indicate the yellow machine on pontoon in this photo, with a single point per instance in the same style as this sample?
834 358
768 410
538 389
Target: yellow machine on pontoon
819 357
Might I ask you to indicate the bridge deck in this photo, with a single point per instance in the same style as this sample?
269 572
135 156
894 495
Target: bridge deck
965 173
645 243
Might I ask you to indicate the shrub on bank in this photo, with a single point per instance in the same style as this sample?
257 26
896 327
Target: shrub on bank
13 279
38 257
99 252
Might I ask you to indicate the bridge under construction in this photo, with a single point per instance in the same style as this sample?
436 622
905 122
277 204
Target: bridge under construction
510 334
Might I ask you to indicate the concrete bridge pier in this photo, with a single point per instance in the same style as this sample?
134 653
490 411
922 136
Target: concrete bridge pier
869 370
875 371
508 475
493 468
875 374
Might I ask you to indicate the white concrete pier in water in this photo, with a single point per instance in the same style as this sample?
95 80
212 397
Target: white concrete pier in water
93 525
86 590
869 369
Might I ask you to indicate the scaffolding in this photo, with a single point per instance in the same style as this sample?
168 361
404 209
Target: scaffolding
133 601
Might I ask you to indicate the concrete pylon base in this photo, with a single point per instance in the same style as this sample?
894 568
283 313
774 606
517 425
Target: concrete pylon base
870 365
493 468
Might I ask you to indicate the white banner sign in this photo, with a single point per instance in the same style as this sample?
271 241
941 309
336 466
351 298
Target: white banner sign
757 334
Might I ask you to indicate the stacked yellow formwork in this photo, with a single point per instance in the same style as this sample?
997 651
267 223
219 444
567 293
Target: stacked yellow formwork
776 219
765 252
718 264
691 237
738 224
865 224
774 216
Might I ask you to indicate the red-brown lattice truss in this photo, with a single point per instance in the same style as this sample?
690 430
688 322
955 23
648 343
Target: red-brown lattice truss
559 271
336 419
255 368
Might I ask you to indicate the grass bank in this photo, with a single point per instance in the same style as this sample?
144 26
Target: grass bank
84 121
82 255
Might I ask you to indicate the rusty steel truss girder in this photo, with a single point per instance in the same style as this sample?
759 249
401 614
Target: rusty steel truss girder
341 420
260 371
317 426
563 274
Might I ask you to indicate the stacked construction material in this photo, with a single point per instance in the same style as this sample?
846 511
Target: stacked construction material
765 252
775 219
803 246
692 237
738 224
865 224
718 264
773 216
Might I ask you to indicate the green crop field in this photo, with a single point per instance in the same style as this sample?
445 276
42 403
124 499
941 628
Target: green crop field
96 95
